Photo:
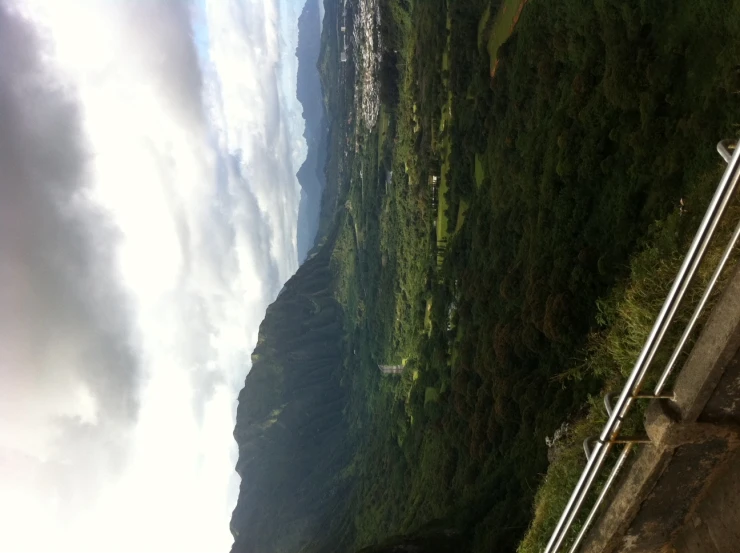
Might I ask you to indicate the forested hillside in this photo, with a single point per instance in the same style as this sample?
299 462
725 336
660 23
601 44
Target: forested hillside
290 428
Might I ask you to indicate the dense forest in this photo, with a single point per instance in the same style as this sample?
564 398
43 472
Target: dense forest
506 231
290 428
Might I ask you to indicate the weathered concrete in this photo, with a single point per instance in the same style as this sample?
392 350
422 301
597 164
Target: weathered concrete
724 407
665 508
610 529
711 355
682 492
714 526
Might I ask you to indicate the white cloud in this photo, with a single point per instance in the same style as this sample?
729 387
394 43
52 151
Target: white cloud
253 120
148 208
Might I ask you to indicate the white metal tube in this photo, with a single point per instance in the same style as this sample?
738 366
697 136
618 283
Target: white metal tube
600 457
599 500
697 311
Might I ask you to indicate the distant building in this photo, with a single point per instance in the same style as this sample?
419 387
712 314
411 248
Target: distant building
391 369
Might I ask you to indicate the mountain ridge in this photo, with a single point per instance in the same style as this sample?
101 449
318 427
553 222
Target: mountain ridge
310 175
291 435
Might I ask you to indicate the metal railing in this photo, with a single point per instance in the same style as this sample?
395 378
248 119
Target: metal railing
609 436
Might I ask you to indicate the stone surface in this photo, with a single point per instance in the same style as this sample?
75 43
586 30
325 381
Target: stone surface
665 508
606 536
666 431
724 408
711 355
714 525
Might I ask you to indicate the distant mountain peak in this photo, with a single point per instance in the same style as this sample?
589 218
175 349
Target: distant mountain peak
309 94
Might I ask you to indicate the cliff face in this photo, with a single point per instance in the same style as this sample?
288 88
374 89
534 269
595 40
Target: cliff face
289 424
311 174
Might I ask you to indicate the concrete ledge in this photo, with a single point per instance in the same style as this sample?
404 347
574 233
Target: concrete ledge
714 526
711 354
606 535
664 510
665 431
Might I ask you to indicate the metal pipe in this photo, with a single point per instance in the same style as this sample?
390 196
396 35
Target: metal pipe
608 404
724 148
560 525
586 447
608 399
696 251
697 311
599 500
598 456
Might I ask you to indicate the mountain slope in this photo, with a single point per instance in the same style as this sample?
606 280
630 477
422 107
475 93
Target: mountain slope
311 174
289 425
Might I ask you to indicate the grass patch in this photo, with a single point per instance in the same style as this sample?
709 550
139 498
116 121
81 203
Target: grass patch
483 27
480 171
503 25
442 220
461 211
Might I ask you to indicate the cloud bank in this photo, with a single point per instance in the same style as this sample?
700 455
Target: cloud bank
148 208
68 354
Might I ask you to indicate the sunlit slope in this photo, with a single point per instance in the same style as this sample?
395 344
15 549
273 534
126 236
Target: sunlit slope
289 427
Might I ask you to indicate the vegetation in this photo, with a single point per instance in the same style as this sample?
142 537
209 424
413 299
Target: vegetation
522 286
494 30
289 424
624 320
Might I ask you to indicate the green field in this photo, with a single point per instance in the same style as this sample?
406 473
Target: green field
480 172
461 211
496 31
443 150
442 219
483 28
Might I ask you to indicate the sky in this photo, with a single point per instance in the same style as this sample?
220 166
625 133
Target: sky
148 212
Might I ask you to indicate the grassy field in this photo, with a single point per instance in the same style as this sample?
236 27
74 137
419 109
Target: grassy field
480 172
494 32
442 210
483 28
461 211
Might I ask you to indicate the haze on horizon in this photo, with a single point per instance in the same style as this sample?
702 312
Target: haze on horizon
148 216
